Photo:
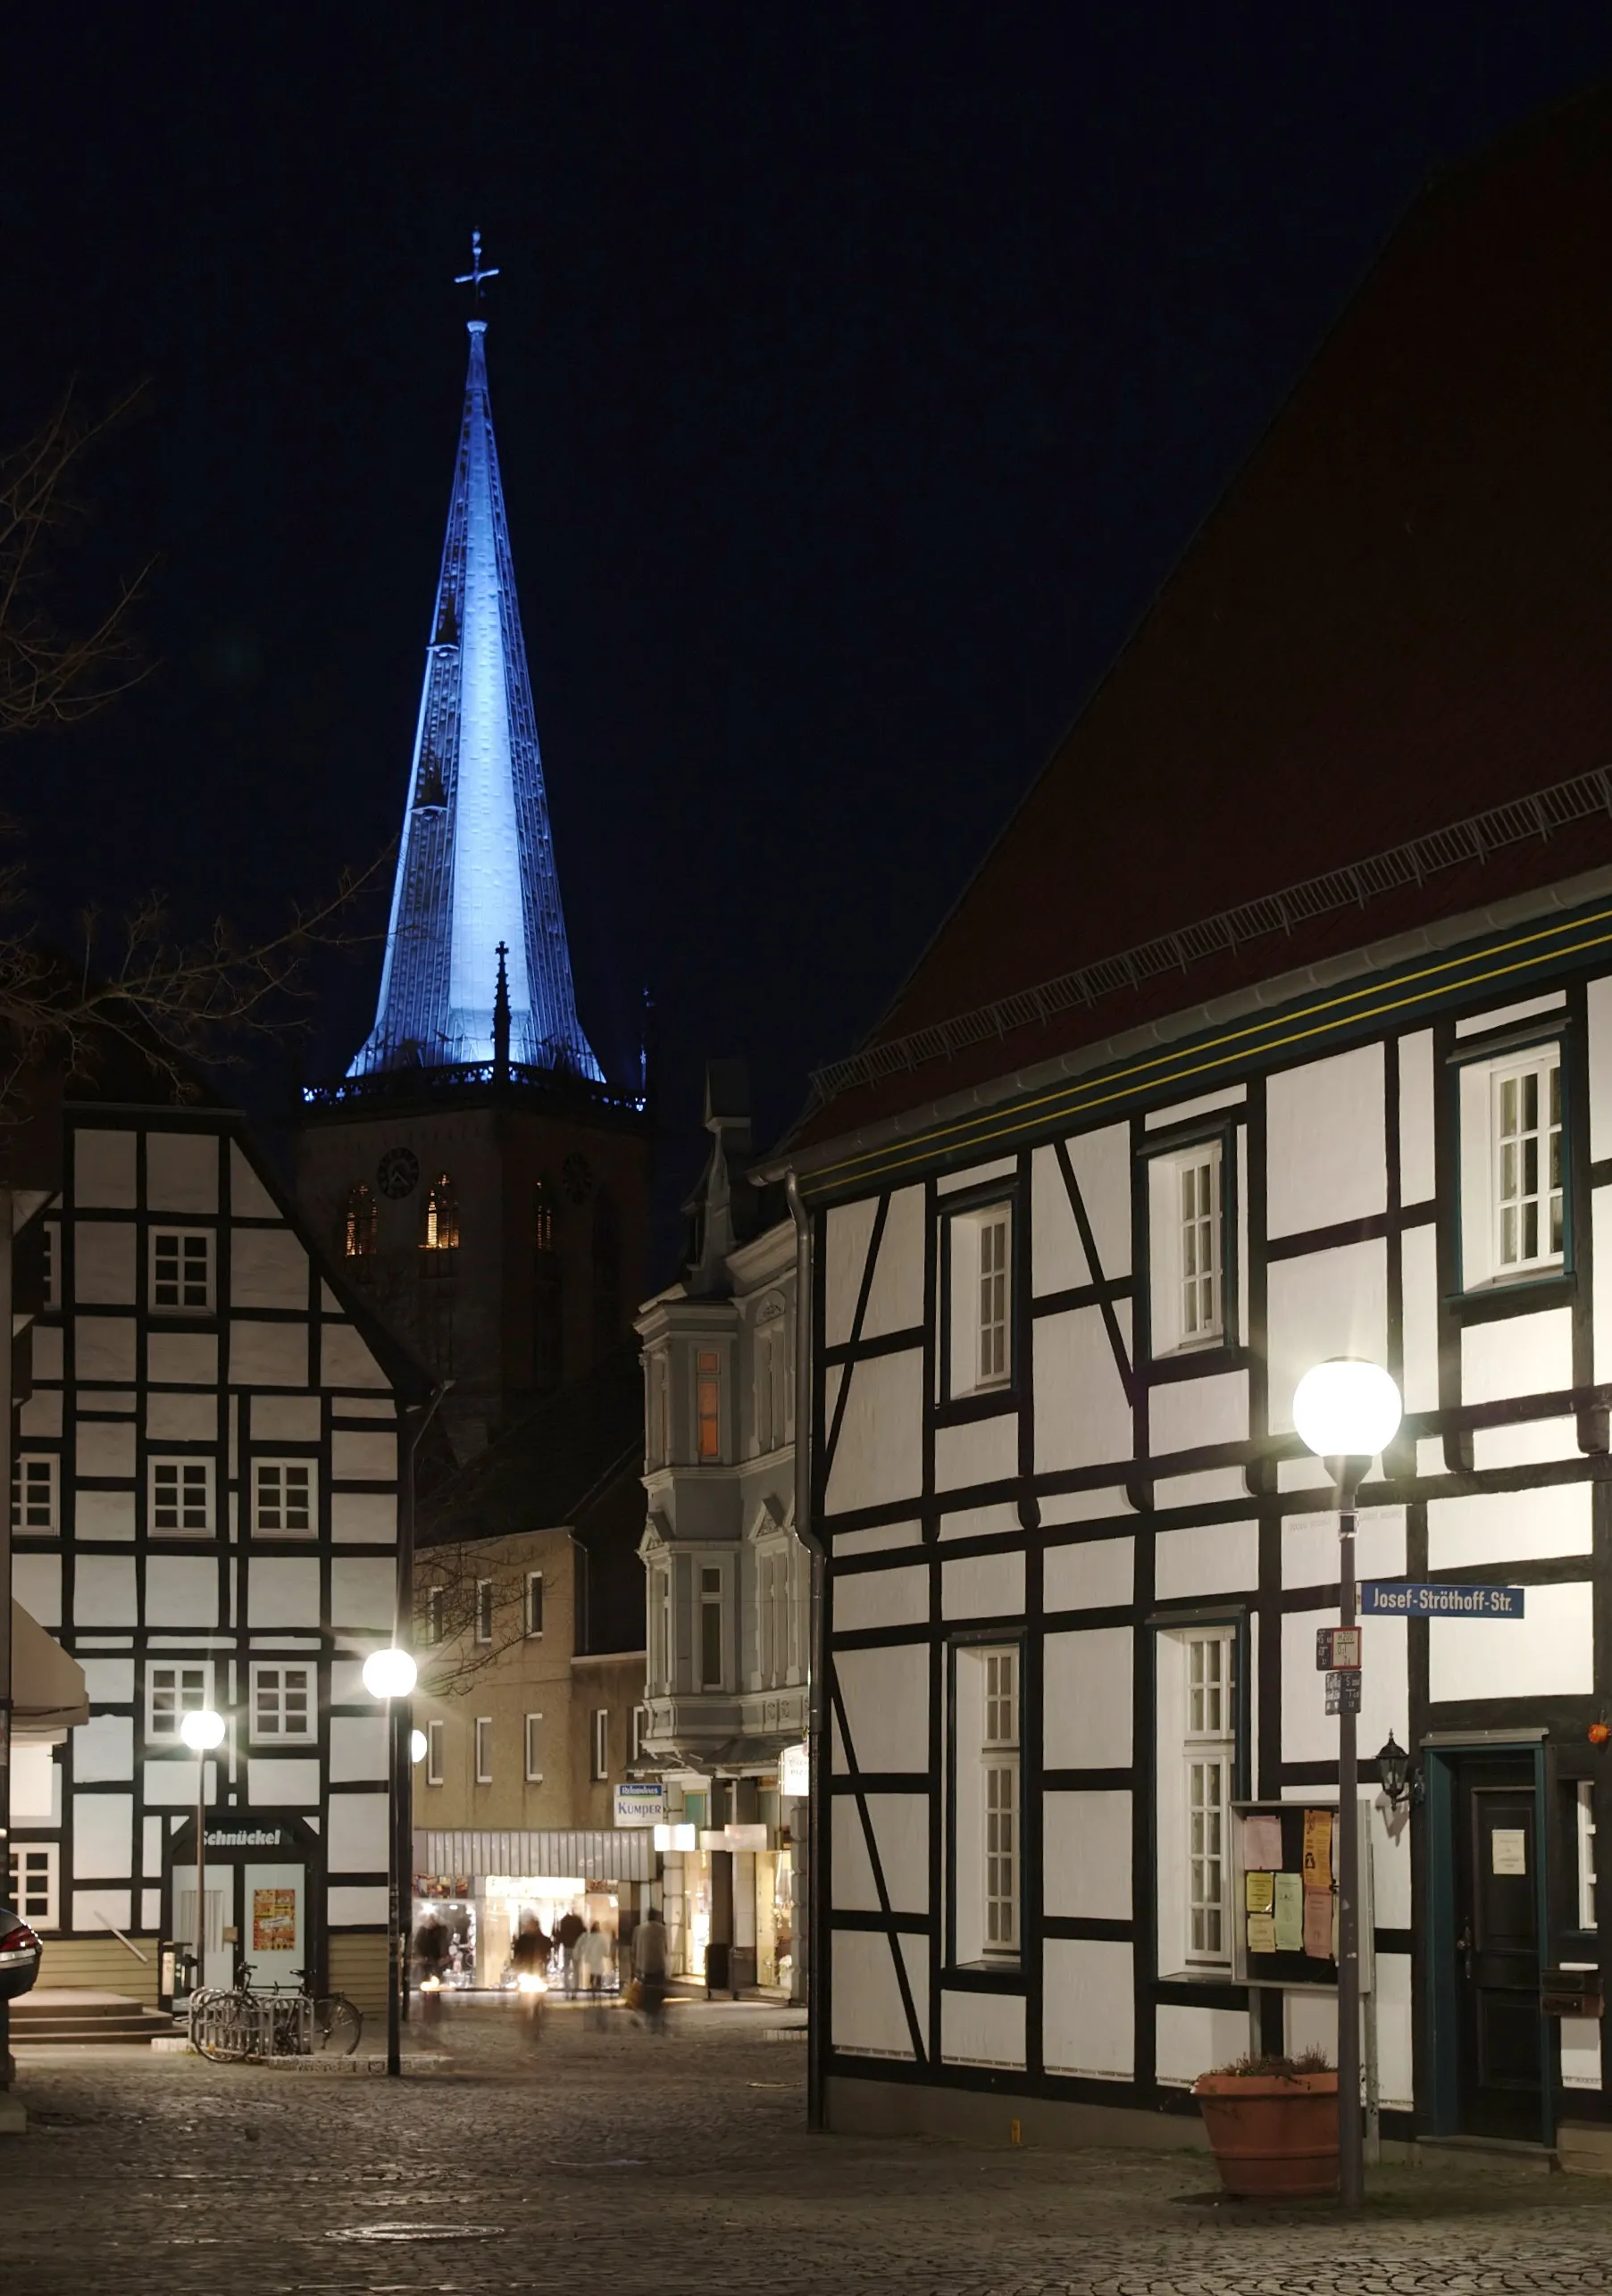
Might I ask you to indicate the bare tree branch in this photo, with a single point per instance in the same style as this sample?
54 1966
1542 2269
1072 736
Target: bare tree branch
448 1612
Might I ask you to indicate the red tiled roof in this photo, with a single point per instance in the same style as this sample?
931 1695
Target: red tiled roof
1399 615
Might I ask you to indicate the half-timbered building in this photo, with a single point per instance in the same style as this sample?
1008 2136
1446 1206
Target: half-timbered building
1277 1026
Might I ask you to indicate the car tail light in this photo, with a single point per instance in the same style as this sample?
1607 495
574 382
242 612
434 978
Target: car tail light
18 1940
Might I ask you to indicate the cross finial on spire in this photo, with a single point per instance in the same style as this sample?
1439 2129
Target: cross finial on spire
474 276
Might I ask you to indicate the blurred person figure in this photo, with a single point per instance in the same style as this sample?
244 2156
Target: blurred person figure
530 1957
592 1952
432 1947
649 1967
569 1932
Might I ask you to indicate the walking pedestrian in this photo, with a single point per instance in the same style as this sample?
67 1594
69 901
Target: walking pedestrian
569 1932
431 1949
649 1967
593 1960
529 1955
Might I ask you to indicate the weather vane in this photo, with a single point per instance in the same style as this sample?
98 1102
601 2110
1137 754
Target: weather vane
474 276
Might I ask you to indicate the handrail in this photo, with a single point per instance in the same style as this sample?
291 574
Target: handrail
129 1942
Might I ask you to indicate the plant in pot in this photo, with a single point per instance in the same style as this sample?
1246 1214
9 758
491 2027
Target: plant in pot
1272 2124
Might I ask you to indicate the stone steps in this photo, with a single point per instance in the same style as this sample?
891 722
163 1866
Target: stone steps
55 2015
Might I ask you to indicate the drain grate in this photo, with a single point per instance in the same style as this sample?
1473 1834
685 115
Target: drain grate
413 2234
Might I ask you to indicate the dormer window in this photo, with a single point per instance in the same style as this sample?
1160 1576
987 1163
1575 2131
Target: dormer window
441 1216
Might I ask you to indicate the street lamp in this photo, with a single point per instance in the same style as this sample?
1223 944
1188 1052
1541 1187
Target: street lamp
416 1747
201 1730
1346 1411
390 1675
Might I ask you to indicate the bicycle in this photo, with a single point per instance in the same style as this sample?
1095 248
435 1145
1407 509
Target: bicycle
228 2026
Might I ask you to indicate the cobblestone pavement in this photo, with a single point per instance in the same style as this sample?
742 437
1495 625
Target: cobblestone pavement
612 2161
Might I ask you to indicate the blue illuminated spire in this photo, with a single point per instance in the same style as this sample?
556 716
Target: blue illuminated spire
476 864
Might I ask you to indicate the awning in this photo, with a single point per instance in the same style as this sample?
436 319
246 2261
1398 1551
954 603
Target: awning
606 1854
48 1693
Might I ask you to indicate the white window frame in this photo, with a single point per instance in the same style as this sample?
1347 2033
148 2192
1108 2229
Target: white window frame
986 1814
600 1736
193 1492
982 1303
1490 1185
660 1626
36 1493
484 1610
1189 1298
712 1599
700 1359
1197 1709
181 1244
189 1683
1584 1871
277 1497
436 1598
534 1606
534 1750
261 1672
657 1442
434 1729
33 1881
484 1749
638 1730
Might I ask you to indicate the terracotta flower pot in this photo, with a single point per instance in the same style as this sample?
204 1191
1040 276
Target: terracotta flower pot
1273 2133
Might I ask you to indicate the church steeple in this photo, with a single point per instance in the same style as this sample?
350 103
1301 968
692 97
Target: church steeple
476 865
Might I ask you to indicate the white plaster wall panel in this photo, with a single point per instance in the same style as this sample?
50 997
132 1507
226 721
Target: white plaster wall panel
1547 1653
93 1909
1523 1354
358 1748
1502 1016
840 1761
1086 1856
344 1360
282 1593
976 1175
886 1695
268 1268
103 1169
1323 1304
1242 1231
881 1539
1417 1101
351 1907
1309 1547
1309 1733
1390 1864
182 1172
982 2028
151 1847
47 1349
1208 1487
104 1263
363 1407
867 1598
1396 2047
1310 2021
105 1450
1088 2015
982 1586
1419 1289
286 1418
1184 1112
900 1824
103 1592
1085 1506
1057 1261
1306 1473
182 1358
104 1348
108 1681
355 1842
41 1415
182 1418
1599 1002
364 1458
868 2016
37 1585
36 1786
1509 1526
103 1836
172 1785
1090 1575
346 1683
103 1515
277 1779
880 1456
1206 1558
1101 1163
1190 2041
1324 1152
1087 1716
151 1910
999 1519
1183 1414
896 1301
182 1591
1082 1415
249 1199
363 1516
362 1592
847 1231
1580 2052
268 1355
1530 1443
981 1450
102 1748
855 1890
832 1377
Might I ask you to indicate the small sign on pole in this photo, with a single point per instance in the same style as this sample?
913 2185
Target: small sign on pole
1343 1692
1337 1649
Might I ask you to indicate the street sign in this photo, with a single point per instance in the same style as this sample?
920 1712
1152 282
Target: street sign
1343 1692
640 1802
1337 1649
1417 1599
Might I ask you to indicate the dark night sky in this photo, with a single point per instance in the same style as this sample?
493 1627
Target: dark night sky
858 371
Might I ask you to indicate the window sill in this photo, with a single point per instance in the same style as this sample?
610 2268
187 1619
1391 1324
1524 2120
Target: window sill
1514 1295
1196 1359
994 1976
980 1403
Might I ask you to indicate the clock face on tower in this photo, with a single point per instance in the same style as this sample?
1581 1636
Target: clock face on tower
397 1172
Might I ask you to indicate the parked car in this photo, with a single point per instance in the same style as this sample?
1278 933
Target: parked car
20 1953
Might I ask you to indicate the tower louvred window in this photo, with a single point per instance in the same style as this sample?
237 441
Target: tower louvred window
358 1223
441 1216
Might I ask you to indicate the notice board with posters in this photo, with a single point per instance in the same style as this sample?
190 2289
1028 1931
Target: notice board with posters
1283 1895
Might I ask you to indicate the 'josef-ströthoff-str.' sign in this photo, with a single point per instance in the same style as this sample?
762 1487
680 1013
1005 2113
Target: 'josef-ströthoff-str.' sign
1423 1598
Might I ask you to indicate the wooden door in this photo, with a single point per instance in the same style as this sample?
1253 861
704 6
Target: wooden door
1497 1948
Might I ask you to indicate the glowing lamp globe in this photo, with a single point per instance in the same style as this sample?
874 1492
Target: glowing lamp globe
389 1674
1347 1408
416 1746
202 1732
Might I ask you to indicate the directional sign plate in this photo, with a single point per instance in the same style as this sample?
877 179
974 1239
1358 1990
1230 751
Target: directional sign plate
1337 1649
1343 1692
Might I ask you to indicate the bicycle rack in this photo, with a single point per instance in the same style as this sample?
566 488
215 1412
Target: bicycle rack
251 2025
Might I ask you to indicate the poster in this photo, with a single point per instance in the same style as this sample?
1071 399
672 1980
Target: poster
1290 1914
1318 1924
1261 1843
1508 1850
273 1921
1317 1851
1259 1892
1262 1934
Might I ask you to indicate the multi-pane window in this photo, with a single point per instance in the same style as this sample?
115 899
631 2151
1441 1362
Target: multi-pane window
359 1225
994 1297
435 1600
181 1495
534 1750
1000 1801
710 1627
283 1496
601 1742
1585 1814
283 1703
34 1487
434 1731
978 1343
1187 1234
484 1749
172 1692
1526 1100
1209 1747
1198 1178
33 1883
772 1383
181 1270
534 1602
708 1403
484 1610
441 1233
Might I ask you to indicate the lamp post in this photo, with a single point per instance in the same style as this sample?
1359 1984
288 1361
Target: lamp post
1346 1412
390 1674
201 1730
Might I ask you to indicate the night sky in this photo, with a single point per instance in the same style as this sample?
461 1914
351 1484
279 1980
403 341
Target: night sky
859 372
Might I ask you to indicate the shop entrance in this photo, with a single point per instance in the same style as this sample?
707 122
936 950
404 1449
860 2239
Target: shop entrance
1491 2056
260 1875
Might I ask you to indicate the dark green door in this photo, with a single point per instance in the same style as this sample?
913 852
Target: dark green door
1497 1947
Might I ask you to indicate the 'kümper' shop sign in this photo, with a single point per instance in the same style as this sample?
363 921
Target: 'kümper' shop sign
1422 1599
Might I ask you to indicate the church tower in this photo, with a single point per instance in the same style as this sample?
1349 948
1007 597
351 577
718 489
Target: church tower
475 1171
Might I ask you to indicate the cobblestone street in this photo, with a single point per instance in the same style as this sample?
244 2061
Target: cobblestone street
613 2160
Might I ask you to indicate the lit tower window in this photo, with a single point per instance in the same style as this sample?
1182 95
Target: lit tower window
441 1216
